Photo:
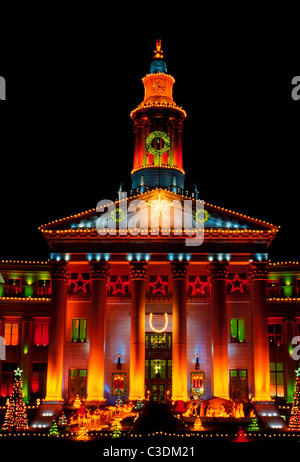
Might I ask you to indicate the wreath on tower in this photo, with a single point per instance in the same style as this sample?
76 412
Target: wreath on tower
201 216
164 137
117 215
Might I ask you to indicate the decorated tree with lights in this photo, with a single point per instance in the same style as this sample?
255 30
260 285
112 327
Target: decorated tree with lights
16 416
295 412
116 432
253 426
53 429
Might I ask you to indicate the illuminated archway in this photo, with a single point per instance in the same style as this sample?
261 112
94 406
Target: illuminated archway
159 330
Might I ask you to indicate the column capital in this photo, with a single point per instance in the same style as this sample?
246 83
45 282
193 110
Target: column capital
179 269
99 269
59 269
138 269
217 269
258 270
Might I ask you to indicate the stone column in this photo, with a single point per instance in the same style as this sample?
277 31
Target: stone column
289 326
100 271
25 362
217 272
60 275
258 272
138 271
179 336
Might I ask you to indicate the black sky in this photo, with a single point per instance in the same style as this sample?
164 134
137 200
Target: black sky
66 137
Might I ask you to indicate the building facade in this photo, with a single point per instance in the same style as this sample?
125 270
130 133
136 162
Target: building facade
129 306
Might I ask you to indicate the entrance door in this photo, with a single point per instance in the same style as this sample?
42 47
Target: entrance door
158 366
158 392
77 384
238 384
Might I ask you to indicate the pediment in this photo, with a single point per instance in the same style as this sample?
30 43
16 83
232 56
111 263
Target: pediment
215 217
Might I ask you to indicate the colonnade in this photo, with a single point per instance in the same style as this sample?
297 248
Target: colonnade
217 275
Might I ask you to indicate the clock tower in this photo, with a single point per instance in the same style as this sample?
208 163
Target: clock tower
158 125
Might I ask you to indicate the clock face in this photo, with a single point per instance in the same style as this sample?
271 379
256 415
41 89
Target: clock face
158 86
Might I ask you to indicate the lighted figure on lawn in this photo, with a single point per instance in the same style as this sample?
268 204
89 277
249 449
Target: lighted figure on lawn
16 416
241 436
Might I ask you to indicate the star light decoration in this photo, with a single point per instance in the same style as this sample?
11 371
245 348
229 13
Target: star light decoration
237 284
18 372
159 207
158 286
197 286
119 286
80 284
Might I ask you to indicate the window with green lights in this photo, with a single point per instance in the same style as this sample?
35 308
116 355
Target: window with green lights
276 379
237 330
78 330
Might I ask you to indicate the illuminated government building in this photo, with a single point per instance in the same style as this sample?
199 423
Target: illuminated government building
145 314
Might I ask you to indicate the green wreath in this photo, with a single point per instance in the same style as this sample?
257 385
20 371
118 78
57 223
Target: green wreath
115 218
163 136
197 216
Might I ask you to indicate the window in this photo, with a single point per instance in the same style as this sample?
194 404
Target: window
297 286
238 384
44 287
7 378
273 288
274 332
237 330
39 378
158 341
78 330
276 379
41 334
158 369
14 286
11 334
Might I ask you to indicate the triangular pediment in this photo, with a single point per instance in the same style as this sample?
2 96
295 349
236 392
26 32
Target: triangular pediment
215 218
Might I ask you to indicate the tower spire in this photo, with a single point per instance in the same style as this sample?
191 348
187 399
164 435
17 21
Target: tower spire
158 65
158 125
158 53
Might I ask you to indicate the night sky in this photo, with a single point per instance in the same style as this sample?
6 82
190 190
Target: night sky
66 137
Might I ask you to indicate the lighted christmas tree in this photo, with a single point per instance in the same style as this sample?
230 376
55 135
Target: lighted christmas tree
198 424
77 403
116 430
295 412
253 426
16 416
53 429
